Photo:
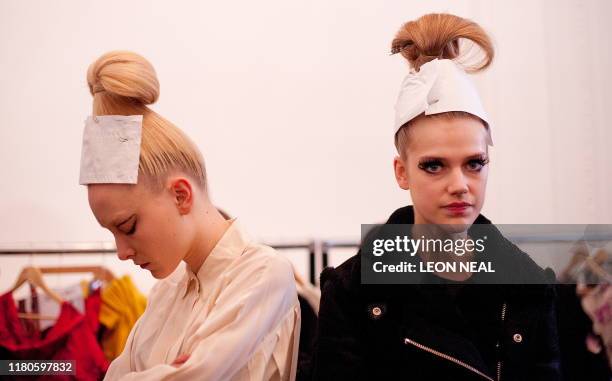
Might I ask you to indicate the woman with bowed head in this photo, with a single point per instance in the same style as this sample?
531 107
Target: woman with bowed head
224 307
452 325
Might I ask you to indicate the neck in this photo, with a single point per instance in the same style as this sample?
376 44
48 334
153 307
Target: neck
210 228
436 232
428 231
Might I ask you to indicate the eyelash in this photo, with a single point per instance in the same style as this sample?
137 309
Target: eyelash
427 164
132 230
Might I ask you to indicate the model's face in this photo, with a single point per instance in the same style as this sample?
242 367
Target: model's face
148 227
445 170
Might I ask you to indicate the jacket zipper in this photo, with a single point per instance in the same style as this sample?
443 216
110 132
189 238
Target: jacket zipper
499 361
446 357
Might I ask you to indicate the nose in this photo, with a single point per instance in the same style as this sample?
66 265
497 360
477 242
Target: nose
124 251
457 184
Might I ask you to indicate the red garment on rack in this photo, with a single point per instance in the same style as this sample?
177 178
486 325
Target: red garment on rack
92 310
71 338
31 326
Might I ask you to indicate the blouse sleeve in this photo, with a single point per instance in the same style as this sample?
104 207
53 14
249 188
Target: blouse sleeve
122 364
256 310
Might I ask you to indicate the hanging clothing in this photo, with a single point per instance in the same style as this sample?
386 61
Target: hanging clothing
93 303
122 305
78 295
309 297
47 306
238 318
30 326
574 326
308 331
70 338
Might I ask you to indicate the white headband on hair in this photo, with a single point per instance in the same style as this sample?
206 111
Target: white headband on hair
439 86
111 149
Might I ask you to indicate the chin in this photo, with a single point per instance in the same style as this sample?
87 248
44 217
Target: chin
457 224
159 274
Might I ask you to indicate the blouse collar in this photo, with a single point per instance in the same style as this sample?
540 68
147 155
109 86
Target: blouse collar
232 245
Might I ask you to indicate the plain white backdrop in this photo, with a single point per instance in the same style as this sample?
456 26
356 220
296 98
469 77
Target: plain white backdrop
291 103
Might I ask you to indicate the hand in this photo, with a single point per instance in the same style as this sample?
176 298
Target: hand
180 360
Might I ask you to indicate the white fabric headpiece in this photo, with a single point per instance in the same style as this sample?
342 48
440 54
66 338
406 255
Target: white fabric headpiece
111 149
439 86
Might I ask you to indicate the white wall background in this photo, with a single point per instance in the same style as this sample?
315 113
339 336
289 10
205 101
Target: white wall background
291 103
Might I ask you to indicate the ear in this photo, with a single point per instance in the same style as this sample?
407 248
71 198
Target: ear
182 193
401 173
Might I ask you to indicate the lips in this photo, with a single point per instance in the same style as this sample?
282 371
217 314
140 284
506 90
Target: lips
457 205
457 208
143 265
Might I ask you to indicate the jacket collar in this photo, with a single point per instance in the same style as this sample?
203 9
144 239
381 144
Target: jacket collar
405 215
520 271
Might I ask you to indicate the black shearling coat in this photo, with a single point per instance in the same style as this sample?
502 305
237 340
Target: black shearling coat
437 332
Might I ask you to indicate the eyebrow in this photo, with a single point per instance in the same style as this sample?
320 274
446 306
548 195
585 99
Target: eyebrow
471 157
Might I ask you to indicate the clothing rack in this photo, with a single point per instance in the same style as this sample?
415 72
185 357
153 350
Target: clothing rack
516 238
109 248
319 251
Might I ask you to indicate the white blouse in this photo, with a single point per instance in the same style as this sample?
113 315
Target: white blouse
238 319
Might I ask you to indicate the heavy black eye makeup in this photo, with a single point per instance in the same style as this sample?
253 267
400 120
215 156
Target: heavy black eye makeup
431 165
476 164
434 165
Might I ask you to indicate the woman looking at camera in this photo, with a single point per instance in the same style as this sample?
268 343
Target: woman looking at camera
452 326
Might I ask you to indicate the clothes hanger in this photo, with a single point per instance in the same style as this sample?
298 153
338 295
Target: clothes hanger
99 272
34 276
592 271
582 263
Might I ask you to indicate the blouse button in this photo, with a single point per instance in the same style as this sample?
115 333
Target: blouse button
517 338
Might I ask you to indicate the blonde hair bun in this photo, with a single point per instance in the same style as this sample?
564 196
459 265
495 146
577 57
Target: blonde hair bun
124 74
124 83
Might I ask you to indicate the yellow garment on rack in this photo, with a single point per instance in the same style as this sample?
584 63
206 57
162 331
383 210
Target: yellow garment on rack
122 305
85 286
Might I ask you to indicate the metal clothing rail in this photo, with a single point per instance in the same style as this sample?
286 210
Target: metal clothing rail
515 238
318 250
109 248
312 255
